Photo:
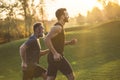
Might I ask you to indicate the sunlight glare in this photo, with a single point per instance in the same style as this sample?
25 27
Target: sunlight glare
73 7
10 1
36 2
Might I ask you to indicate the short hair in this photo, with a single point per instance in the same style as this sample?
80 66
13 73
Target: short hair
60 12
36 25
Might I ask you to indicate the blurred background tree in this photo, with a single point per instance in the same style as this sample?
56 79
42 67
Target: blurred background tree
18 16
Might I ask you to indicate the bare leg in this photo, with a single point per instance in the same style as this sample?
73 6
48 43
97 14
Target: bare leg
44 76
50 78
28 79
70 76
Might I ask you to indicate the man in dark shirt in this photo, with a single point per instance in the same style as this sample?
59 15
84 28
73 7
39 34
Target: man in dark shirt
55 41
30 52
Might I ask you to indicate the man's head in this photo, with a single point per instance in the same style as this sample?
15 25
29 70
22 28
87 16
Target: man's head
62 13
38 29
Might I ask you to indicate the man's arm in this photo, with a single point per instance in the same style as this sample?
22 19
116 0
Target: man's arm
23 55
67 42
43 52
73 41
54 31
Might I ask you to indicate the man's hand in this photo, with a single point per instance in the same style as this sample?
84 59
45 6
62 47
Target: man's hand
57 57
24 66
73 41
43 52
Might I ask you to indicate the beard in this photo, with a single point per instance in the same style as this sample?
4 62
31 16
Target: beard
66 19
40 34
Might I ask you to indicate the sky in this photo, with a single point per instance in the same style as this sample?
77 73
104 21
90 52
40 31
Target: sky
74 7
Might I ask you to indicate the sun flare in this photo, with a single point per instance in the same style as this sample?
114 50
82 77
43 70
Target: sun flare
74 7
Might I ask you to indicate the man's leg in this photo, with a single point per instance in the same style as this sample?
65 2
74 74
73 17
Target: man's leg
52 68
40 72
70 76
50 78
66 69
44 75
27 75
51 74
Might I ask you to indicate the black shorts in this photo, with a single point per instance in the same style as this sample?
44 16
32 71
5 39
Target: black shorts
62 65
33 72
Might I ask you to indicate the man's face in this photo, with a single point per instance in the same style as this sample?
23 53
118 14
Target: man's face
40 31
66 16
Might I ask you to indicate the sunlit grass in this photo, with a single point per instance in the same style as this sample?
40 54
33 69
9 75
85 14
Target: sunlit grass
95 56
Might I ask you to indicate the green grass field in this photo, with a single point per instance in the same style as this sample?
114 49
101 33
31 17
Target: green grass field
96 56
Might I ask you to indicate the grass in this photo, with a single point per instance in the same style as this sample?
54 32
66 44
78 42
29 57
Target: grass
96 56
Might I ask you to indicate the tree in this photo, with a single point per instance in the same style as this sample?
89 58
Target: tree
103 2
30 12
95 15
10 10
112 10
42 13
80 19
25 14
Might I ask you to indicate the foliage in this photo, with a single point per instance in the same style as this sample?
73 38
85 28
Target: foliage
109 11
12 27
95 56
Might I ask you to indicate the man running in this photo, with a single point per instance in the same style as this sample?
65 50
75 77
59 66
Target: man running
55 41
30 52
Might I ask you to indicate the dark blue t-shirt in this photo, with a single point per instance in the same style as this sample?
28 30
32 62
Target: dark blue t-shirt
33 50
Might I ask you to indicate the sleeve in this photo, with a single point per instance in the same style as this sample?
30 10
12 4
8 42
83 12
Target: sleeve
29 42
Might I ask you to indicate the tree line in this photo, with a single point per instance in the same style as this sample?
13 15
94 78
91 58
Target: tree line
12 27
111 11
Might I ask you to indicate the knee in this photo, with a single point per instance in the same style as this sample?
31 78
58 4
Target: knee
71 77
50 78
44 76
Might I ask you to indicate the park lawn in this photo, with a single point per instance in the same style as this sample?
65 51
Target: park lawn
96 56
